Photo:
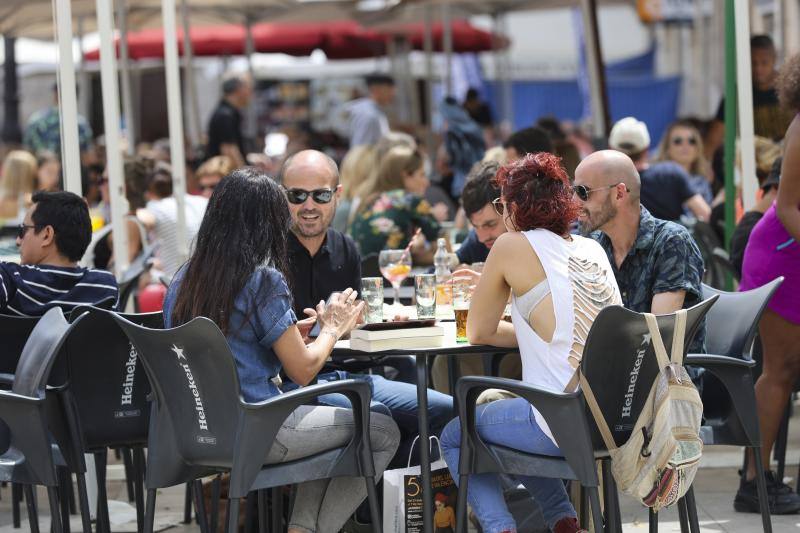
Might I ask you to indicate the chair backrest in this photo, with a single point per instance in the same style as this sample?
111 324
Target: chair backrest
370 266
14 330
39 353
620 364
108 385
130 278
732 324
196 391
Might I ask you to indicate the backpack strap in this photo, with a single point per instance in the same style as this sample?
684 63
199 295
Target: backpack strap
678 336
658 342
597 413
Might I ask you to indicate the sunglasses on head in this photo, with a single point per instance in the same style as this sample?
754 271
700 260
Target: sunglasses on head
320 196
583 192
678 141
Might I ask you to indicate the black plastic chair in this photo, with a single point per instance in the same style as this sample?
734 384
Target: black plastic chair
129 282
105 396
200 425
370 266
732 418
28 456
615 339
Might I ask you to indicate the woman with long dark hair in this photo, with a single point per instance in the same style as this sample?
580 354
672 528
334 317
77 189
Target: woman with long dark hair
237 278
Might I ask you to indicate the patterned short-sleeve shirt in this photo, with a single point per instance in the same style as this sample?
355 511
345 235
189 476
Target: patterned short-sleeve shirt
664 258
44 132
391 220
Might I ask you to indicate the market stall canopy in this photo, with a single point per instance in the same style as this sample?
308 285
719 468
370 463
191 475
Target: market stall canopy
339 39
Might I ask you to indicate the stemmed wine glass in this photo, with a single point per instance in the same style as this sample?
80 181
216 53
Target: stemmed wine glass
395 266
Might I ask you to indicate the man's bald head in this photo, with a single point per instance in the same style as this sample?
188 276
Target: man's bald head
609 167
307 161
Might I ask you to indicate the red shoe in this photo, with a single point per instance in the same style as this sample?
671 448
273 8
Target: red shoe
568 524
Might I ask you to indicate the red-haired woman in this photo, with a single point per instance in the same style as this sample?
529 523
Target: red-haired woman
558 282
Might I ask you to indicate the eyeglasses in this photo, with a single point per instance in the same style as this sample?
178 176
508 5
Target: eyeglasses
678 141
320 196
207 187
499 206
582 192
23 228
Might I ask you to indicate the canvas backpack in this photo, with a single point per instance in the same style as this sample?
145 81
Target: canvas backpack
657 464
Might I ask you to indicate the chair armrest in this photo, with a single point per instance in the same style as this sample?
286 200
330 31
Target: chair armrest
713 361
6 380
261 422
25 418
564 413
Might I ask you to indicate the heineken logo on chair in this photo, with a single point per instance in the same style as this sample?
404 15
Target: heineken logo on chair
126 398
202 421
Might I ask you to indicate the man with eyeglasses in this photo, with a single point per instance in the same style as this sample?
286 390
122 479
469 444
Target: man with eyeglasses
665 186
51 240
657 264
323 260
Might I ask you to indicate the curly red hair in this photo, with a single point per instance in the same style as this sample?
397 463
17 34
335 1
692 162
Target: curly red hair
538 193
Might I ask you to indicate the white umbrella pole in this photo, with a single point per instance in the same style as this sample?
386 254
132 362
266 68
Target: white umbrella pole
599 126
428 45
85 88
193 113
116 185
125 74
175 119
745 105
67 98
447 48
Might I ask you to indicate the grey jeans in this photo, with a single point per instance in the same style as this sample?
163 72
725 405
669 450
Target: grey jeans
324 505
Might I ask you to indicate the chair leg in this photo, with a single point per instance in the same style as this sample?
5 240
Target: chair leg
613 522
33 516
761 485
187 505
653 520
129 477
138 485
64 483
691 508
149 511
83 503
262 511
55 516
103 520
250 512
779 449
233 515
215 495
276 495
461 504
16 497
374 507
683 515
200 505
593 495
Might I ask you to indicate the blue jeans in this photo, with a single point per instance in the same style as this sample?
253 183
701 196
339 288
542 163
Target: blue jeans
396 399
508 423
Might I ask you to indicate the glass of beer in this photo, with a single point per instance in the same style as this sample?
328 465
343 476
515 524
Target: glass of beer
461 299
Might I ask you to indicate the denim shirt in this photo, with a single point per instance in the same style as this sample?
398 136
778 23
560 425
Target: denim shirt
664 258
262 313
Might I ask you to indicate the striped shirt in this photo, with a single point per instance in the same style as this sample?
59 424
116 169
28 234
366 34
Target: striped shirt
165 212
30 290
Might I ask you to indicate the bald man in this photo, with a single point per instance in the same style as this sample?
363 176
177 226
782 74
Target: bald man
323 260
657 263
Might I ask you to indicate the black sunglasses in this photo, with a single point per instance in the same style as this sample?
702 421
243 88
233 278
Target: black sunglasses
23 228
320 196
678 141
582 192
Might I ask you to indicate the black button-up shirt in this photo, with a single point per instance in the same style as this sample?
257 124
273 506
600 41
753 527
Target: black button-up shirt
335 267
664 258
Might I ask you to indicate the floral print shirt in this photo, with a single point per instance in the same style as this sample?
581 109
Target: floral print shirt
391 220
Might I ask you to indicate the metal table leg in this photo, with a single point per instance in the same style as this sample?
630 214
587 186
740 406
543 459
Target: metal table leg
424 441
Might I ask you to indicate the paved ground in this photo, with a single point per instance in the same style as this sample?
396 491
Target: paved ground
715 486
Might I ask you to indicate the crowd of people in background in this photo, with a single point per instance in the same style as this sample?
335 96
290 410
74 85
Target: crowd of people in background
522 206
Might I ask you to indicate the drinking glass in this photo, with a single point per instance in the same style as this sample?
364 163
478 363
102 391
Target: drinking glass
395 266
372 294
461 299
425 295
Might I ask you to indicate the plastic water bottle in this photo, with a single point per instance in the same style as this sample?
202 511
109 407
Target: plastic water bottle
441 260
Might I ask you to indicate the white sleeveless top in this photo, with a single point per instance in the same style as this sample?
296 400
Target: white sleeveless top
581 283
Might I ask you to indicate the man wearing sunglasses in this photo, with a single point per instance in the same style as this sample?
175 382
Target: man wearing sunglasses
657 264
323 260
665 186
51 240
